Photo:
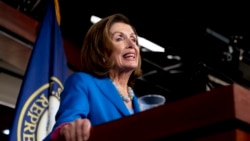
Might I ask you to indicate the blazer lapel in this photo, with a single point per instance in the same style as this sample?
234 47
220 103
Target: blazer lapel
136 105
110 92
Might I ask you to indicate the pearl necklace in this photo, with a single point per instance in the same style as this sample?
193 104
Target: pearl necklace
126 98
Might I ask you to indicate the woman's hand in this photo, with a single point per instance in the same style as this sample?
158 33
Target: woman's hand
78 130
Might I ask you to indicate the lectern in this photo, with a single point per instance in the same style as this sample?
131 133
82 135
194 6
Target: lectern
222 114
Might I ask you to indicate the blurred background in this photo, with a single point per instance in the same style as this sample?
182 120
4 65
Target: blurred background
206 45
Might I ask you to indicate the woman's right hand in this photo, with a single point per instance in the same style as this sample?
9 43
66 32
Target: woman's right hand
78 130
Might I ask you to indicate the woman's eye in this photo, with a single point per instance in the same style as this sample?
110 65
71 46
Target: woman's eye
119 38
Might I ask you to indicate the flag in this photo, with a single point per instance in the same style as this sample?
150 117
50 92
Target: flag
39 96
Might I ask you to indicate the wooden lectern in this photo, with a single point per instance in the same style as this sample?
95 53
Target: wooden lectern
222 114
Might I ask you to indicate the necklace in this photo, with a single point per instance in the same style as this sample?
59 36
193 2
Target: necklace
126 98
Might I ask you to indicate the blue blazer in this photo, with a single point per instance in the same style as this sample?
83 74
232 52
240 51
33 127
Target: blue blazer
87 96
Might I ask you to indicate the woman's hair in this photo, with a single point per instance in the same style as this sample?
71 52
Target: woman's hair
98 47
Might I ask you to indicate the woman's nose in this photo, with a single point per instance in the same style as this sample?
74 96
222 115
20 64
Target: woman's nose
131 43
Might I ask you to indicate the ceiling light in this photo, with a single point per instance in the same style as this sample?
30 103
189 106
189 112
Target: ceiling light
94 19
6 131
171 57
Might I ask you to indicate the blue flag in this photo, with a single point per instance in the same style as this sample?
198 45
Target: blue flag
39 96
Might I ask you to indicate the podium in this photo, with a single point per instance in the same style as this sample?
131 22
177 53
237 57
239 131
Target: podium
222 114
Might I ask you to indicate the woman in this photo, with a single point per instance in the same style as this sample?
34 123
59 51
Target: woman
102 92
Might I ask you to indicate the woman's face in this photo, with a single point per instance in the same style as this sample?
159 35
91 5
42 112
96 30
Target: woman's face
126 51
